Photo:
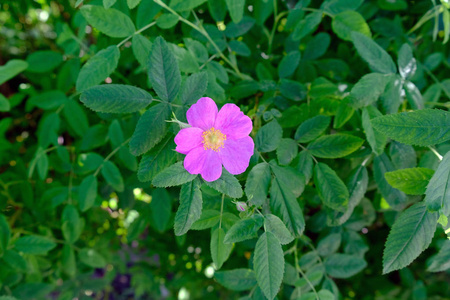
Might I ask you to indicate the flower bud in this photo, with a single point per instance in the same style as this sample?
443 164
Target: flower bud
241 206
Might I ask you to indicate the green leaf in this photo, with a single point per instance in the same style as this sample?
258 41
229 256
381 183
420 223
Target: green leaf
346 22
394 197
150 129
402 156
237 279
441 261
208 219
219 250
268 138
377 141
406 62
194 88
411 234
283 203
141 47
186 5
92 258
98 68
391 99
190 208
291 179
257 184
176 174
411 181
87 192
423 127
133 3
116 98
42 164
112 176
377 58
244 229
343 113
292 89
287 151
413 95
335 145
34 244
72 225
167 20
317 46
146 12
236 9
157 159
288 64
356 184
274 225
307 25
227 184
163 71
329 244
367 90
108 3
11 69
268 262
76 117
4 103
68 261
161 208
344 265
330 187
312 128
43 61
304 164
438 189
15 261
111 22
5 234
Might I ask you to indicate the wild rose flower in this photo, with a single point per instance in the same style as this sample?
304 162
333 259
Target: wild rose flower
215 139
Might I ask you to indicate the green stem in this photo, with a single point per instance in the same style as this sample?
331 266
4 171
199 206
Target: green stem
110 155
435 152
221 211
204 33
137 32
297 267
274 27
33 162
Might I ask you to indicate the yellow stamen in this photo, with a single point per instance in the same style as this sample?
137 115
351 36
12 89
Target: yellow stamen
213 139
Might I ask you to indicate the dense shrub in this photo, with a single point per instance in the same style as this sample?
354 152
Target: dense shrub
348 183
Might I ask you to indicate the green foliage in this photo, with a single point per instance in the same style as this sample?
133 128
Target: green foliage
269 264
410 235
351 93
423 127
412 181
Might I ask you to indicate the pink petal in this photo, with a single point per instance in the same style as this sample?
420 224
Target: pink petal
202 114
232 122
204 162
188 139
236 154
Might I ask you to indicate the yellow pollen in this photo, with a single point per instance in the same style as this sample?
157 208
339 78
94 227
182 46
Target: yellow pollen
213 139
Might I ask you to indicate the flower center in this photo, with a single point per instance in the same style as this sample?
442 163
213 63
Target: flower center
213 139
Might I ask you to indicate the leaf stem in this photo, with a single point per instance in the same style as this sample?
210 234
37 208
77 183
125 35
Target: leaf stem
221 211
111 155
137 32
204 33
435 152
297 267
306 149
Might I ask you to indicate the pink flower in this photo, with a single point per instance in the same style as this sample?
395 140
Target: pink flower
215 139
